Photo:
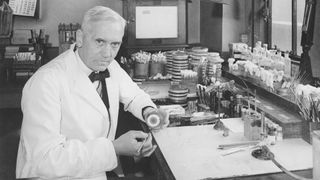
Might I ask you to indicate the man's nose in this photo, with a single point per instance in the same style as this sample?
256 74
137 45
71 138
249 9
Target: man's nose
106 51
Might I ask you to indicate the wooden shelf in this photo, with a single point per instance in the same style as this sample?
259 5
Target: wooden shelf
280 110
154 48
275 98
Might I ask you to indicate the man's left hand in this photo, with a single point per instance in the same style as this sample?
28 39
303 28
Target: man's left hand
153 115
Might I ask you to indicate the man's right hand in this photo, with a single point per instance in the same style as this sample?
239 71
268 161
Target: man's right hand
128 143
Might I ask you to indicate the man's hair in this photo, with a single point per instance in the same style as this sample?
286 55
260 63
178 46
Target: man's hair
101 13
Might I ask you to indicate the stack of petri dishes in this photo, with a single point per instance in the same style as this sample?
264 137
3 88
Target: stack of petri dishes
196 55
214 65
169 57
180 62
179 95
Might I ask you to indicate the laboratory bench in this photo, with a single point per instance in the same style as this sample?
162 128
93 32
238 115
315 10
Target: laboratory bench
190 152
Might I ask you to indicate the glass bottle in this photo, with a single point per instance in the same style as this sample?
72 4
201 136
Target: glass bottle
287 62
279 136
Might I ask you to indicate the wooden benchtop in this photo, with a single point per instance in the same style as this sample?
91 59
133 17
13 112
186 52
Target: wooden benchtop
290 122
191 153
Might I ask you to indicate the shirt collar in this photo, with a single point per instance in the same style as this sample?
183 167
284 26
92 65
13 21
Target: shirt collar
82 66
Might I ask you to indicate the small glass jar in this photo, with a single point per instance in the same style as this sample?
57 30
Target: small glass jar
214 65
271 138
279 133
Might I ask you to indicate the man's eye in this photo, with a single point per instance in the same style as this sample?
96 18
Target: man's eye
115 44
100 42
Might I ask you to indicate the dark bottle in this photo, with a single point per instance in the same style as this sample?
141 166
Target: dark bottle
238 106
231 107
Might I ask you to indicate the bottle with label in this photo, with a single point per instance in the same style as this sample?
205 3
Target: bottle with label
238 106
287 62
271 138
231 107
279 136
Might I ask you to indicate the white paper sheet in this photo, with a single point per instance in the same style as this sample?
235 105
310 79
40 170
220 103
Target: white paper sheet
191 152
156 22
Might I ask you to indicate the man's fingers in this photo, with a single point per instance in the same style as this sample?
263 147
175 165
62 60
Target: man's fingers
149 140
138 134
146 149
148 143
166 124
150 151
164 119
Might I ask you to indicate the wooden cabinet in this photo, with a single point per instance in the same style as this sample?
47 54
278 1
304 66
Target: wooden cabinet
134 44
30 58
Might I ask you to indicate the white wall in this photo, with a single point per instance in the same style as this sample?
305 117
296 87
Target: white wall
233 23
194 22
54 12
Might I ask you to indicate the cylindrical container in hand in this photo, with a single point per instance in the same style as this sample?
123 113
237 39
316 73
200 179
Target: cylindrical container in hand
153 120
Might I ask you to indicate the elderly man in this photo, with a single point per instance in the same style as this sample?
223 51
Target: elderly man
70 108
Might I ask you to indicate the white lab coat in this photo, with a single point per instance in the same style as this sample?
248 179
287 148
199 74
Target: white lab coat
65 122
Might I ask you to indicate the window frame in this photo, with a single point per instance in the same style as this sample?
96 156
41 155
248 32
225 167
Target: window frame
294 28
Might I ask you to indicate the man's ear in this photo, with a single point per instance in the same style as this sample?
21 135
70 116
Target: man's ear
79 38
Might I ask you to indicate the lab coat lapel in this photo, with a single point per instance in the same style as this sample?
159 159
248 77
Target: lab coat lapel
82 86
85 89
113 100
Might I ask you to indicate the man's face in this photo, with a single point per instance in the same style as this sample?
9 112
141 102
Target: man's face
101 44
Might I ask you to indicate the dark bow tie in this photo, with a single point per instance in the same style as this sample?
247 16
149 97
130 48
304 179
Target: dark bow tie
99 76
